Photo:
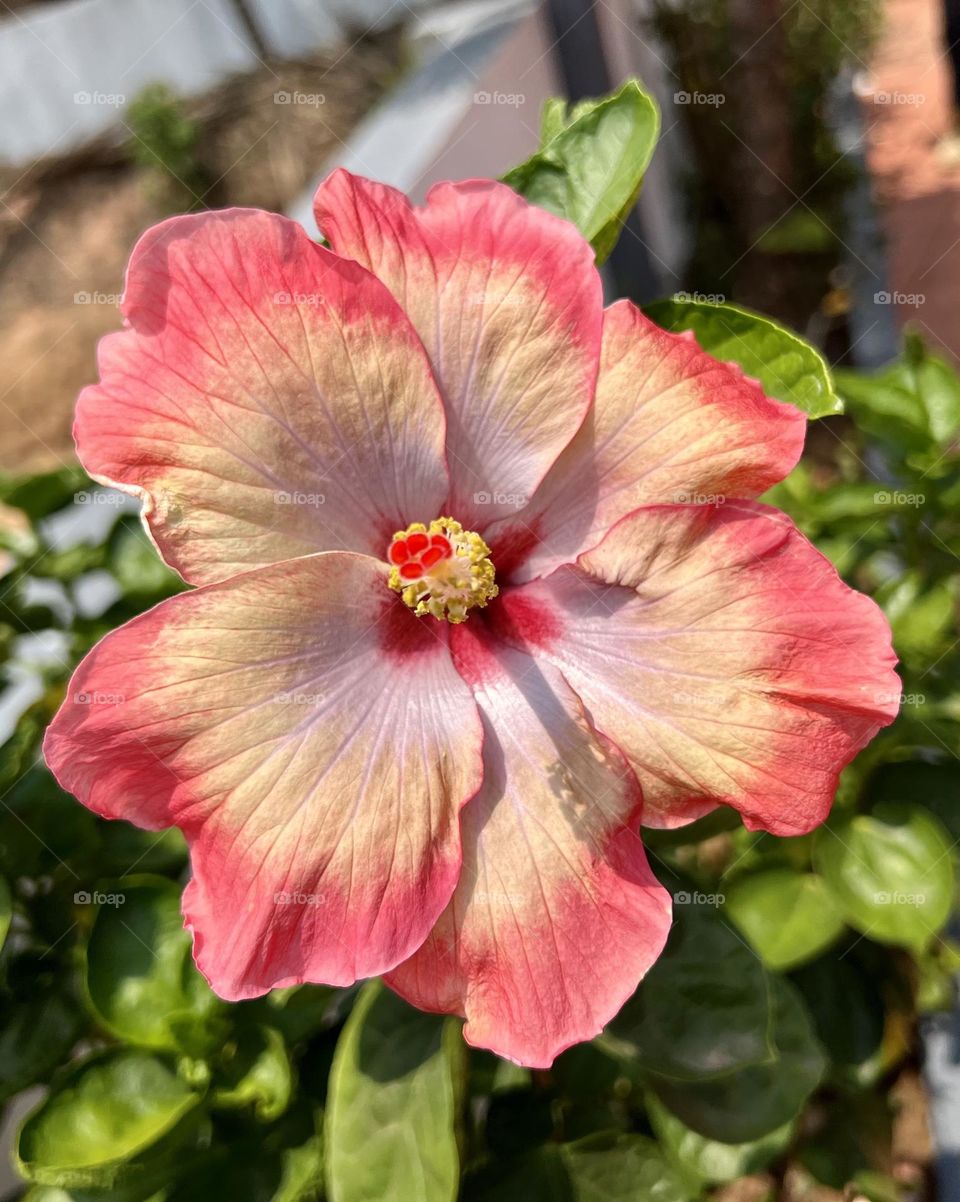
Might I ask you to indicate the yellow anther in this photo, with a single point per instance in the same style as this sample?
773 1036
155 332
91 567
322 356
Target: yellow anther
444 572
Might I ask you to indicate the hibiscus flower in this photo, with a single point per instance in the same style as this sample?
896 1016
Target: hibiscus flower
481 584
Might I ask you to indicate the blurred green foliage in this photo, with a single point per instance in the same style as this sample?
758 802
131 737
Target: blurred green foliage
164 142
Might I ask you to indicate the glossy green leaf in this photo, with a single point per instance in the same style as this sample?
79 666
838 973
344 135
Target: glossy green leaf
847 1010
788 916
890 872
750 1103
140 978
36 1034
591 164
391 1118
103 1114
615 1167
707 1161
258 1074
787 367
704 1007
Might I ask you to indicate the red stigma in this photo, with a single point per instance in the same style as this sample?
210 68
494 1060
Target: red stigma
415 554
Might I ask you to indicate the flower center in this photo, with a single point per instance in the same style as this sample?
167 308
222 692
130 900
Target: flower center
441 569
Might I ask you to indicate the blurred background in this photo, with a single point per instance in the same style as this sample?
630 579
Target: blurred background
801 171
809 168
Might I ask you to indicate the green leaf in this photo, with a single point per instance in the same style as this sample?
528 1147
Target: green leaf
704 1007
615 1167
42 828
608 1166
390 1129
139 973
707 1161
752 1102
36 1033
540 1176
788 916
890 872
591 164
6 910
936 784
259 1074
44 492
102 1115
913 406
788 368
848 1014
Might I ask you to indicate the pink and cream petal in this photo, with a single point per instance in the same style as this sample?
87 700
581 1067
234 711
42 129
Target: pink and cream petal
557 915
723 654
669 424
315 744
508 304
267 399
